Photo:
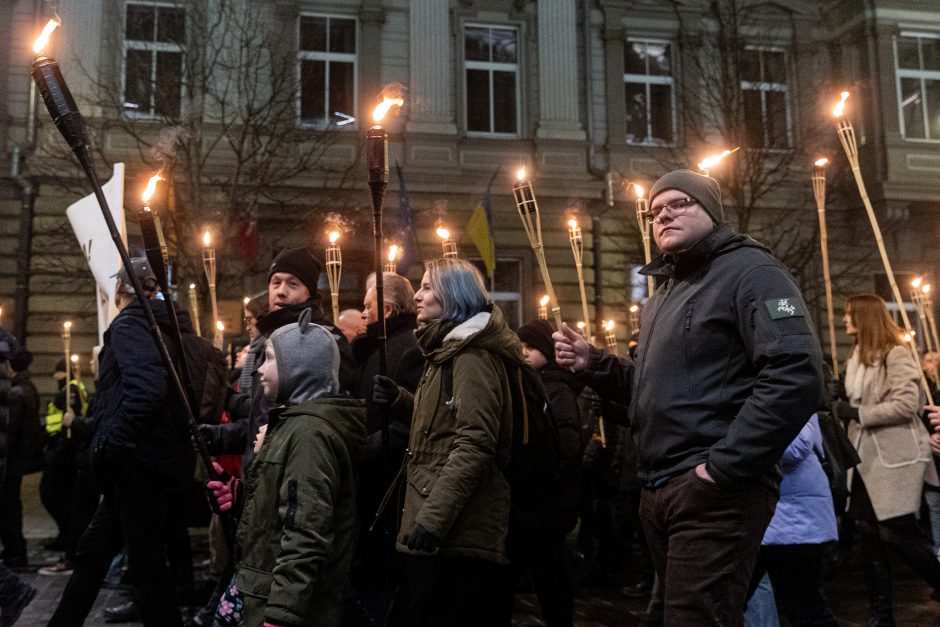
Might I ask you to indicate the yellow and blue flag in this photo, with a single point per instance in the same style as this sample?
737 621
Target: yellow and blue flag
480 229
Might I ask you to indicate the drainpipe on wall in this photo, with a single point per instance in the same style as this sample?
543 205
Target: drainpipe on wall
28 193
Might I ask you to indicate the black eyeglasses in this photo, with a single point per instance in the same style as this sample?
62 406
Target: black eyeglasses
675 207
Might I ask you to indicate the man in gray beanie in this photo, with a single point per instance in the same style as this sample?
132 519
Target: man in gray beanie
727 371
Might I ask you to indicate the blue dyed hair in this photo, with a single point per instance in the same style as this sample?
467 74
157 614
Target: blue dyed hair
459 286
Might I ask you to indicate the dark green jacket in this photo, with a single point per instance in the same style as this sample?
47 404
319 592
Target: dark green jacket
298 528
457 450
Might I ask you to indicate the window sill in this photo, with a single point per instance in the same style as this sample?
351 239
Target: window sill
481 135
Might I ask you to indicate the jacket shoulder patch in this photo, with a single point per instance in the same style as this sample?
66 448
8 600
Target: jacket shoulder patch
784 308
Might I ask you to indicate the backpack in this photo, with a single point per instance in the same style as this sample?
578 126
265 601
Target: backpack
208 376
838 454
536 450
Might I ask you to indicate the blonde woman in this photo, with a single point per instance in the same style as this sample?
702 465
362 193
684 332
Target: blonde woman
882 409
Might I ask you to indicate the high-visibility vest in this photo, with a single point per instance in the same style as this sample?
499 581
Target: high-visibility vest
54 414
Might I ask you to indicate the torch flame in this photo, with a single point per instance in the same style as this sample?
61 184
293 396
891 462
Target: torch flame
246 300
334 235
67 325
151 187
926 289
581 325
192 286
207 238
916 282
634 308
43 40
443 233
908 336
821 163
840 107
710 162
609 325
393 252
638 190
543 302
219 325
573 223
74 359
382 109
521 174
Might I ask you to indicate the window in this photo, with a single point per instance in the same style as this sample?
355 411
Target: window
505 287
917 60
153 59
327 67
491 70
648 91
764 93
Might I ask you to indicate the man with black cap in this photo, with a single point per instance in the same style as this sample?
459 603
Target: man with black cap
292 288
727 371
142 461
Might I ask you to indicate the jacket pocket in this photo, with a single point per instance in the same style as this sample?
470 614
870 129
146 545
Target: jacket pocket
422 478
253 582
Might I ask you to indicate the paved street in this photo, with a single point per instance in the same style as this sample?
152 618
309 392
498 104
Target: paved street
596 607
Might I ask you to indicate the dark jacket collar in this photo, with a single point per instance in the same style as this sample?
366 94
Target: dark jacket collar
721 239
286 315
365 344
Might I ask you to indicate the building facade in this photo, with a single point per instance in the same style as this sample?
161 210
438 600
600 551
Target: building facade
256 114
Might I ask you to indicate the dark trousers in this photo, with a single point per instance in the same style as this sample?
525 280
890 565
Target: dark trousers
11 516
85 497
11 586
136 514
444 591
797 574
544 555
55 487
704 541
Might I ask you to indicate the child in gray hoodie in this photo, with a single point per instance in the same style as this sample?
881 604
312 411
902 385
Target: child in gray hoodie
295 540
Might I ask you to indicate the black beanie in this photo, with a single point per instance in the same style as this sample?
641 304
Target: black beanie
538 335
21 359
702 188
60 365
301 263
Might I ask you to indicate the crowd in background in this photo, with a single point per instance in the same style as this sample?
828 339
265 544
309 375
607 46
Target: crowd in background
347 492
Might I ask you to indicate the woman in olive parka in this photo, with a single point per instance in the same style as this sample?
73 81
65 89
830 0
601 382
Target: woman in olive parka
456 504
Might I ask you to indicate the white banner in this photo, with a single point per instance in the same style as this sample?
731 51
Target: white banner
95 239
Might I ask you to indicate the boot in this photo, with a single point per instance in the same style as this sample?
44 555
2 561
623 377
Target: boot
878 582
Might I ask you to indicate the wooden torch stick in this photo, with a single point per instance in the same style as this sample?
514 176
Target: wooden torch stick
819 191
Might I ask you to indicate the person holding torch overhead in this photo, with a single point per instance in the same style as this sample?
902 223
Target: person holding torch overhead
727 371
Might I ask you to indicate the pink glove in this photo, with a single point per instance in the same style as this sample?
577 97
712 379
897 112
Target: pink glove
267 624
225 492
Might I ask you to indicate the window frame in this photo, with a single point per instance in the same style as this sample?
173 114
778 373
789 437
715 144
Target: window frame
490 67
327 57
764 87
153 47
921 75
652 79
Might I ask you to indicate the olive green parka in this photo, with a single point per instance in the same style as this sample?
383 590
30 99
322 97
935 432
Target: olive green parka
458 447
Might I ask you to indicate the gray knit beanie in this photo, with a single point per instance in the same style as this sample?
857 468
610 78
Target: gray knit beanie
702 188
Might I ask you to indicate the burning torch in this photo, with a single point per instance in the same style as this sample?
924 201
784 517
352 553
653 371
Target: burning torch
377 158
194 306
448 245
819 191
577 249
610 337
334 271
208 265
847 137
394 254
642 220
710 162
67 348
528 208
920 296
542 310
68 119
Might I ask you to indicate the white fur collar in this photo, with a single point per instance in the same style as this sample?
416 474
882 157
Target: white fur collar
469 327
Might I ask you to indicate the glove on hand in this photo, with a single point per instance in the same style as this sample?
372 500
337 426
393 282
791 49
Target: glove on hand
224 493
384 391
835 391
420 539
844 411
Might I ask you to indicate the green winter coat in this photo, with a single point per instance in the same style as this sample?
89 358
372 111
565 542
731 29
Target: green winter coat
455 486
298 528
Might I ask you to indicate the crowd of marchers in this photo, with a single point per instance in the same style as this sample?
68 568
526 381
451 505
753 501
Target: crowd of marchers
419 461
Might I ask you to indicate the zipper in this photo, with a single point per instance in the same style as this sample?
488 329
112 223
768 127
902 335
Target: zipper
670 283
688 320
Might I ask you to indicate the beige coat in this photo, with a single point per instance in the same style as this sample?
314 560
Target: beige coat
889 436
